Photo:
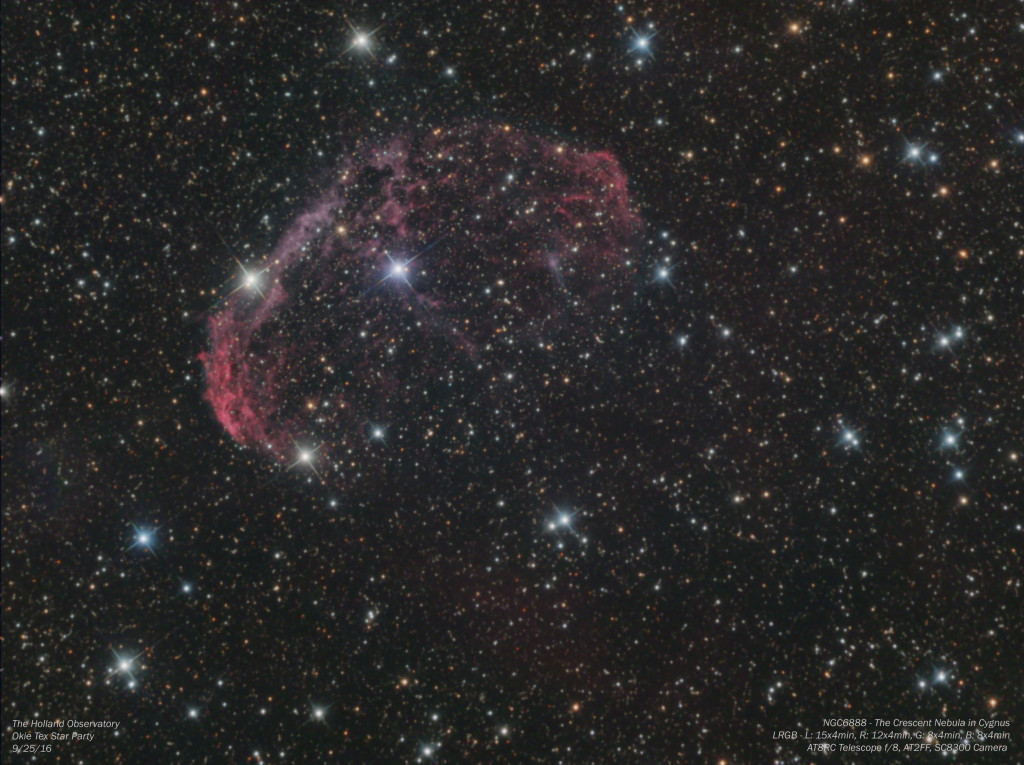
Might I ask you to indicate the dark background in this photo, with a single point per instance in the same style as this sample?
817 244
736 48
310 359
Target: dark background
745 569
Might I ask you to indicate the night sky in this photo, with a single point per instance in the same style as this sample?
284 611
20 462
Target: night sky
479 382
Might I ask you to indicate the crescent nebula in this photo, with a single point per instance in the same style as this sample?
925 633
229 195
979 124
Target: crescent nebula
463 245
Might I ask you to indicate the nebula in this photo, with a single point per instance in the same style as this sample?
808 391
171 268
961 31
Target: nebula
456 246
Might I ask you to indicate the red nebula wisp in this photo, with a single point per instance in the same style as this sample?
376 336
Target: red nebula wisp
420 252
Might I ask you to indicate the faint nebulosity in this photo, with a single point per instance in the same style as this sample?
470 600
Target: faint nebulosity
502 382
462 247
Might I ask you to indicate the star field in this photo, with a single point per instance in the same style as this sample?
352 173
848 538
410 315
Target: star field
510 382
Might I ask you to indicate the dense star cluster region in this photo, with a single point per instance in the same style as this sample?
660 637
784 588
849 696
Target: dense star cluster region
476 244
495 382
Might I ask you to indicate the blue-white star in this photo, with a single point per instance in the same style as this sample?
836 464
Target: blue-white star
144 538
916 154
849 437
949 439
641 42
663 273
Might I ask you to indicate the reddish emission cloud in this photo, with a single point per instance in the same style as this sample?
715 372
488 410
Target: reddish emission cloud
456 246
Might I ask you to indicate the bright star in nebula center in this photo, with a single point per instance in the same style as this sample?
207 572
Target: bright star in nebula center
399 270
273 371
